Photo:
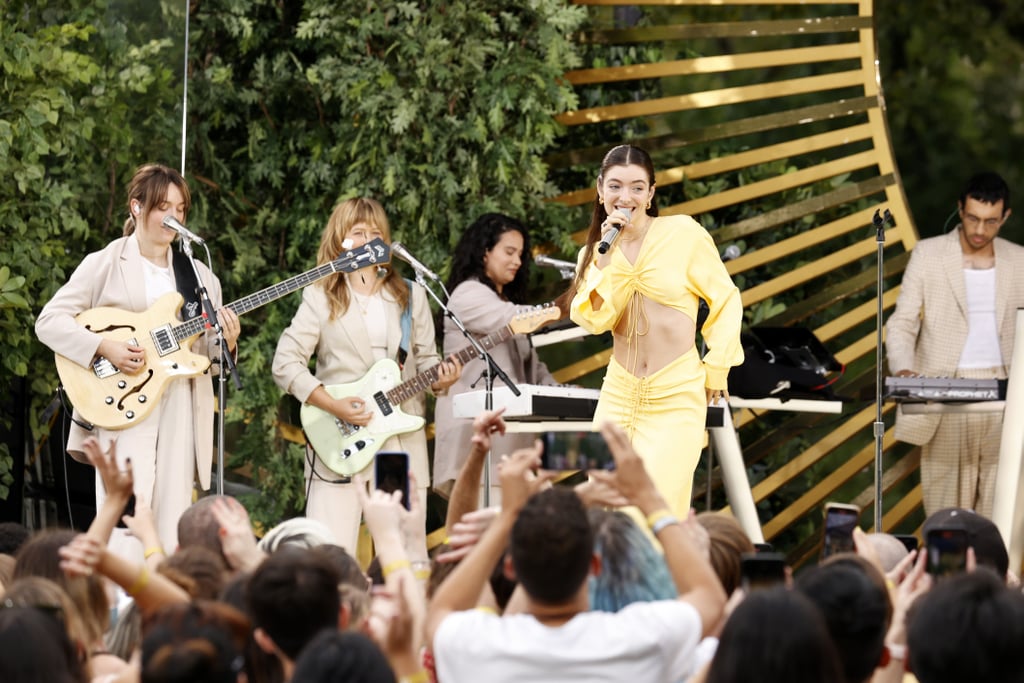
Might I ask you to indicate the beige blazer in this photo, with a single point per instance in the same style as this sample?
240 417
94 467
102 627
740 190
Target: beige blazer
927 331
482 311
343 355
114 277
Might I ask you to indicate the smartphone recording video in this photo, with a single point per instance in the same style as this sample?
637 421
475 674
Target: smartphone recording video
391 473
567 451
947 551
840 521
762 570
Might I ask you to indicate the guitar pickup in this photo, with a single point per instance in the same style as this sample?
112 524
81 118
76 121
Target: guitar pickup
163 340
383 403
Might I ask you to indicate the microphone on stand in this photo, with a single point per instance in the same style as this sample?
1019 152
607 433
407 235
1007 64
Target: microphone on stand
399 250
566 269
732 251
613 232
175 225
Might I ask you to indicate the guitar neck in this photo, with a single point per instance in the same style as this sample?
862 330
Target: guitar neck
194 326
425 379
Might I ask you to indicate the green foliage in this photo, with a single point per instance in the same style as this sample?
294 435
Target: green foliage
955 110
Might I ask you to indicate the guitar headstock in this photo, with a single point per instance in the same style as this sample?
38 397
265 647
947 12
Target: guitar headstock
531 320
374 251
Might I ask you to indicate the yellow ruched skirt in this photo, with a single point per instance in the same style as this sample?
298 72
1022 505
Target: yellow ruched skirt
664 416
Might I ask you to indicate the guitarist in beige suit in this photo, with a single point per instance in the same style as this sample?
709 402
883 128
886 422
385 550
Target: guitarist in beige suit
175 441
349 321
955 317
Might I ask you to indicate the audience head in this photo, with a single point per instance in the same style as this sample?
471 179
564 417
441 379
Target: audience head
197 642
292 596
12 536
552 546
6 570
200 571
968 627
474 255
856 610
198 527
353 586
342 657
39 557
890 549
775 635
632 570
727 542
302 532
48 596
36 649
982 535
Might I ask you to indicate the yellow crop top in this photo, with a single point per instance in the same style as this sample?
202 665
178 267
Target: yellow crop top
677 264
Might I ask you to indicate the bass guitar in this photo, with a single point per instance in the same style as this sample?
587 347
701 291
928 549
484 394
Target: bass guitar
111 399
347 448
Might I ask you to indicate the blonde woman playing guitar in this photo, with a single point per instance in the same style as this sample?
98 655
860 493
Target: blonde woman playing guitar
348 322
175 440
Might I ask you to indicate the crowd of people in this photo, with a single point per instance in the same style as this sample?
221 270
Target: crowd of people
613 579
550 585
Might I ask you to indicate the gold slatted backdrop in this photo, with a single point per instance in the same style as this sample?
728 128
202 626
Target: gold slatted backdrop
766 122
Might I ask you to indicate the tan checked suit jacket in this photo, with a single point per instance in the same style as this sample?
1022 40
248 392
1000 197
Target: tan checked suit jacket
927 331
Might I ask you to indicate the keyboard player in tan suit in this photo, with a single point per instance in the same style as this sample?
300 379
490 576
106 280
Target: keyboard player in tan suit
955 317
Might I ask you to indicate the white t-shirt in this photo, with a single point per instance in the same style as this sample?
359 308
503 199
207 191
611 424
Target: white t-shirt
645 641
981 350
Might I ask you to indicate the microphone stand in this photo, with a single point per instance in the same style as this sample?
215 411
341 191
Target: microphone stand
490 369
226 362
879 426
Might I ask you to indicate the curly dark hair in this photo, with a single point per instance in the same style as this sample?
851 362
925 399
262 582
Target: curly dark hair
478 239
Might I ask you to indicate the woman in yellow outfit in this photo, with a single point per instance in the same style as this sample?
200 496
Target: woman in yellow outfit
645 289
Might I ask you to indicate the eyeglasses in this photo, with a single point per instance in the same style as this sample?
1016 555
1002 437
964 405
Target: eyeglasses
972 221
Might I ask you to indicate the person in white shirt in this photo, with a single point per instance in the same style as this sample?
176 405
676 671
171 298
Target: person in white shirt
551 554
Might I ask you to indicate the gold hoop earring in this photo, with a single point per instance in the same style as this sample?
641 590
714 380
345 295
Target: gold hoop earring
600 199
648 204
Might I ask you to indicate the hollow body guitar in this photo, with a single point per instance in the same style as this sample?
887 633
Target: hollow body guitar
347 448
111 399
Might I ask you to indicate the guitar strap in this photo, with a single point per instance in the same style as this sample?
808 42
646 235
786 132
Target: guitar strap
187 284
403 346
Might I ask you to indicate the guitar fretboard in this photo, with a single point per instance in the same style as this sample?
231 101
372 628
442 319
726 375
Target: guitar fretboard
422 381
352 261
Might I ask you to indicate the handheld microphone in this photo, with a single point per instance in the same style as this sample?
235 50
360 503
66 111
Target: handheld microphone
175 225
613 232
399 250
732 251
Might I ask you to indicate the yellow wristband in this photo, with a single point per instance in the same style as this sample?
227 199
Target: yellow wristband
657 516
418 677
150 552
141 582
394 567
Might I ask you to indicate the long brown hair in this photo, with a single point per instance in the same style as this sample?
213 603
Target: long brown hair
347 214
148 188
622 155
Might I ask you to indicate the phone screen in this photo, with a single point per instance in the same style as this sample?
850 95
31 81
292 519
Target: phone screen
391 473
575 451
840 521
947 551
762 570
